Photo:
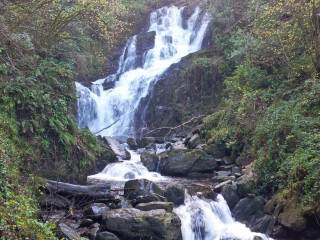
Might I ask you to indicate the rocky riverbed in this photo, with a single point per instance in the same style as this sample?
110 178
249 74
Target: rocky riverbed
142 209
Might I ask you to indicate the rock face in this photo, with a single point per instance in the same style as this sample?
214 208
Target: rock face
142 190
186 163
131 224
248 209
188 88
118 149
229 192
150 161
145 42
175 193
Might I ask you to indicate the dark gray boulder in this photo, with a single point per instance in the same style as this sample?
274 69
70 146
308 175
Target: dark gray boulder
186 162
145 42
132 224
175 193
150 161
134 189
229 192
264 224
248 209
132 143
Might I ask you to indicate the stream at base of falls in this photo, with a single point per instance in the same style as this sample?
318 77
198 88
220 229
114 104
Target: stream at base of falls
173 37
201 218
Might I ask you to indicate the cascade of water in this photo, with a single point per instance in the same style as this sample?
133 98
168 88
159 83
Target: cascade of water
115 105
125 170
99 108
211 220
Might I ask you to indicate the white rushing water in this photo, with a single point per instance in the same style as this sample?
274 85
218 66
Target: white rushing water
125 170
99 108
203 219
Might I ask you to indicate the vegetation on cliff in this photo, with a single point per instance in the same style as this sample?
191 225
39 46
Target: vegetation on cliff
270 110
44 47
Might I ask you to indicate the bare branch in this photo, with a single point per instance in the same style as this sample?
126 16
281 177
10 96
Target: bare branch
171 129
107 127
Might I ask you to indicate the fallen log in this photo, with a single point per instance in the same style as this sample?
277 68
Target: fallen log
72 190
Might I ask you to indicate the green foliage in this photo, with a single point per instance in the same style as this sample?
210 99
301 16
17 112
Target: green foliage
45 46
18 207
270 111
287 142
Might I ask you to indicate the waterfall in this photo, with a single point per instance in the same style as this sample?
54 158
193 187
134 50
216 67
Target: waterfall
114 107
110 104
204 219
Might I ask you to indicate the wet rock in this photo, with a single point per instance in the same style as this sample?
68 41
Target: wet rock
247 209
117 148
68 232
150 161
96 210
110 81
186 14
186 162
106 236
175 193
168 206
211 195
194 141
141 187
131 223
216 150
145 42
145 141
132 143
264 224
229 192
245 183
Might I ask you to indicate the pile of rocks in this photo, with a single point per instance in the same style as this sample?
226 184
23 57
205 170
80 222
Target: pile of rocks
142 211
